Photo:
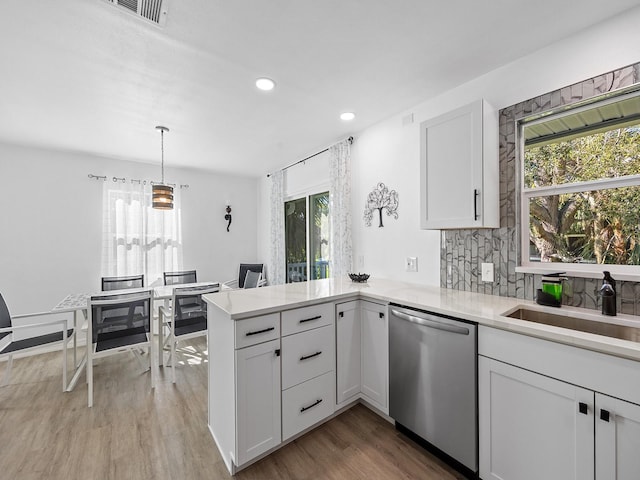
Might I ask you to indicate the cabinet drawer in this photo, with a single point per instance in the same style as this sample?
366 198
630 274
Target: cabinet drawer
302 319
251 331
307 404
307 355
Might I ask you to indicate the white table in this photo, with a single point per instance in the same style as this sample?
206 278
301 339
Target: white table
79 303
76 303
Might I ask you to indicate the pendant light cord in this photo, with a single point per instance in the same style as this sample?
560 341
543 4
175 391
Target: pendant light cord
162 150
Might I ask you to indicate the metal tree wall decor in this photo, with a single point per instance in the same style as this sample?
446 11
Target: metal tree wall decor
381 198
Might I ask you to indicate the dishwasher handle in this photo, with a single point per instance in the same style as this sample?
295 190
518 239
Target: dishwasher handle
427 322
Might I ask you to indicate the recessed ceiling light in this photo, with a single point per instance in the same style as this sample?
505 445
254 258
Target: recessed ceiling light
265 83
347 116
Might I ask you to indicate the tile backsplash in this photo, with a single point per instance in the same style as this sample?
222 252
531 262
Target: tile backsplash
462 251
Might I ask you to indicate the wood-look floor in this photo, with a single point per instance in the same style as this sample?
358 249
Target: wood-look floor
133 432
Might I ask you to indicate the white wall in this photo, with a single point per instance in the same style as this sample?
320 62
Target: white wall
389 152
51 223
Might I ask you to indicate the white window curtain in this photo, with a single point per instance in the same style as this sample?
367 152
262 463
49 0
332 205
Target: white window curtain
340 245
136 238
276 270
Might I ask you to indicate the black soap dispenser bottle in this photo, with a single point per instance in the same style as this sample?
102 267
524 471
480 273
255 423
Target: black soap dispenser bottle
608 294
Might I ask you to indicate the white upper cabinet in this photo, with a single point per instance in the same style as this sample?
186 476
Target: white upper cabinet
459 182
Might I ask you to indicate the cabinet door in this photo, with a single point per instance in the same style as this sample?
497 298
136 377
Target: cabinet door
347 351
531 426
617 439
375 354
451 169
258 399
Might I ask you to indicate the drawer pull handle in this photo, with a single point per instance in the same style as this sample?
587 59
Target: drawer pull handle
307 357
303 409
583 408
248 334
310 319
604 415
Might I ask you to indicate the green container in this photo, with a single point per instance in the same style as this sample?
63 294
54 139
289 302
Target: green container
553 288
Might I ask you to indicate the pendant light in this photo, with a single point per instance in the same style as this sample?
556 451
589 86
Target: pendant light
162 194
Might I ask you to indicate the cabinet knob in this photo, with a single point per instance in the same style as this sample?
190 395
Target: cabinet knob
582 408
381 315
277 352
604 414
341 314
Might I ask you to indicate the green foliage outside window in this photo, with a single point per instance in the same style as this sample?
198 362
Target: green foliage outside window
596 226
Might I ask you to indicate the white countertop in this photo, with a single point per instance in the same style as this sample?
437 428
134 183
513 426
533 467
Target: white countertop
483 309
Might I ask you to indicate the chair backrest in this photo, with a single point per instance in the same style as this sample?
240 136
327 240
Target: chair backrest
122 283
252 279
121 314
188 303
5 317
248 267
177 278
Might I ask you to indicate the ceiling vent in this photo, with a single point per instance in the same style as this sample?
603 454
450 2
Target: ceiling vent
154 11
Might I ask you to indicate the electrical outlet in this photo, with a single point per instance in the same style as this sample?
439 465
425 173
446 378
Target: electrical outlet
487 272
412 264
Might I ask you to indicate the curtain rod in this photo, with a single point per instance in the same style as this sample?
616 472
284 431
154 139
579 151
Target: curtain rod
133 180
350 140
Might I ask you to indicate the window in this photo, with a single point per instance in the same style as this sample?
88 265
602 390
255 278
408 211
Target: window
307 237
136 238
581 185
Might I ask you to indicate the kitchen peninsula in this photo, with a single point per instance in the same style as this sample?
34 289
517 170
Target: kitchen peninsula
280 363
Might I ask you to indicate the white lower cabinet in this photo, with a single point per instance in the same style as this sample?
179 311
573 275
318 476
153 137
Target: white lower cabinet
530 426
374 366
348 350
308 370
306 404
617 439
362 347
533 427
307 355
257 400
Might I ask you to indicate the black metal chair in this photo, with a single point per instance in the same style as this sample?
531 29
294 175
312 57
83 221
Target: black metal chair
119 323
122 283
187 318
242 276
177 278
9 345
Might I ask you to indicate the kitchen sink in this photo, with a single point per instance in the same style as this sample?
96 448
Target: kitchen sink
605 328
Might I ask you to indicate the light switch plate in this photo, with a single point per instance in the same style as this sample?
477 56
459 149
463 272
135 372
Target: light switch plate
412 264
487 272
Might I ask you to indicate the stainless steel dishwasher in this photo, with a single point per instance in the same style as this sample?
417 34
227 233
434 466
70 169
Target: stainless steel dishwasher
433 379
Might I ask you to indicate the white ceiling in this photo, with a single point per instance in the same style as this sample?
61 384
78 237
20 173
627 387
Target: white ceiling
82 75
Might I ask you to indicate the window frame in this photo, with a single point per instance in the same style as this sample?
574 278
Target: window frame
524 195
306 194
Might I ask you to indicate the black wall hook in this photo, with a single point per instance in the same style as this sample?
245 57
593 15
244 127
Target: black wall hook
227 217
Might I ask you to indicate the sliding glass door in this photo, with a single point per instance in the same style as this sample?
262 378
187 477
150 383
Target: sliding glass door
307 237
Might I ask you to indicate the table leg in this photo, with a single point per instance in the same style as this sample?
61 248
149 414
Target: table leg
75 339
160 339
76 376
